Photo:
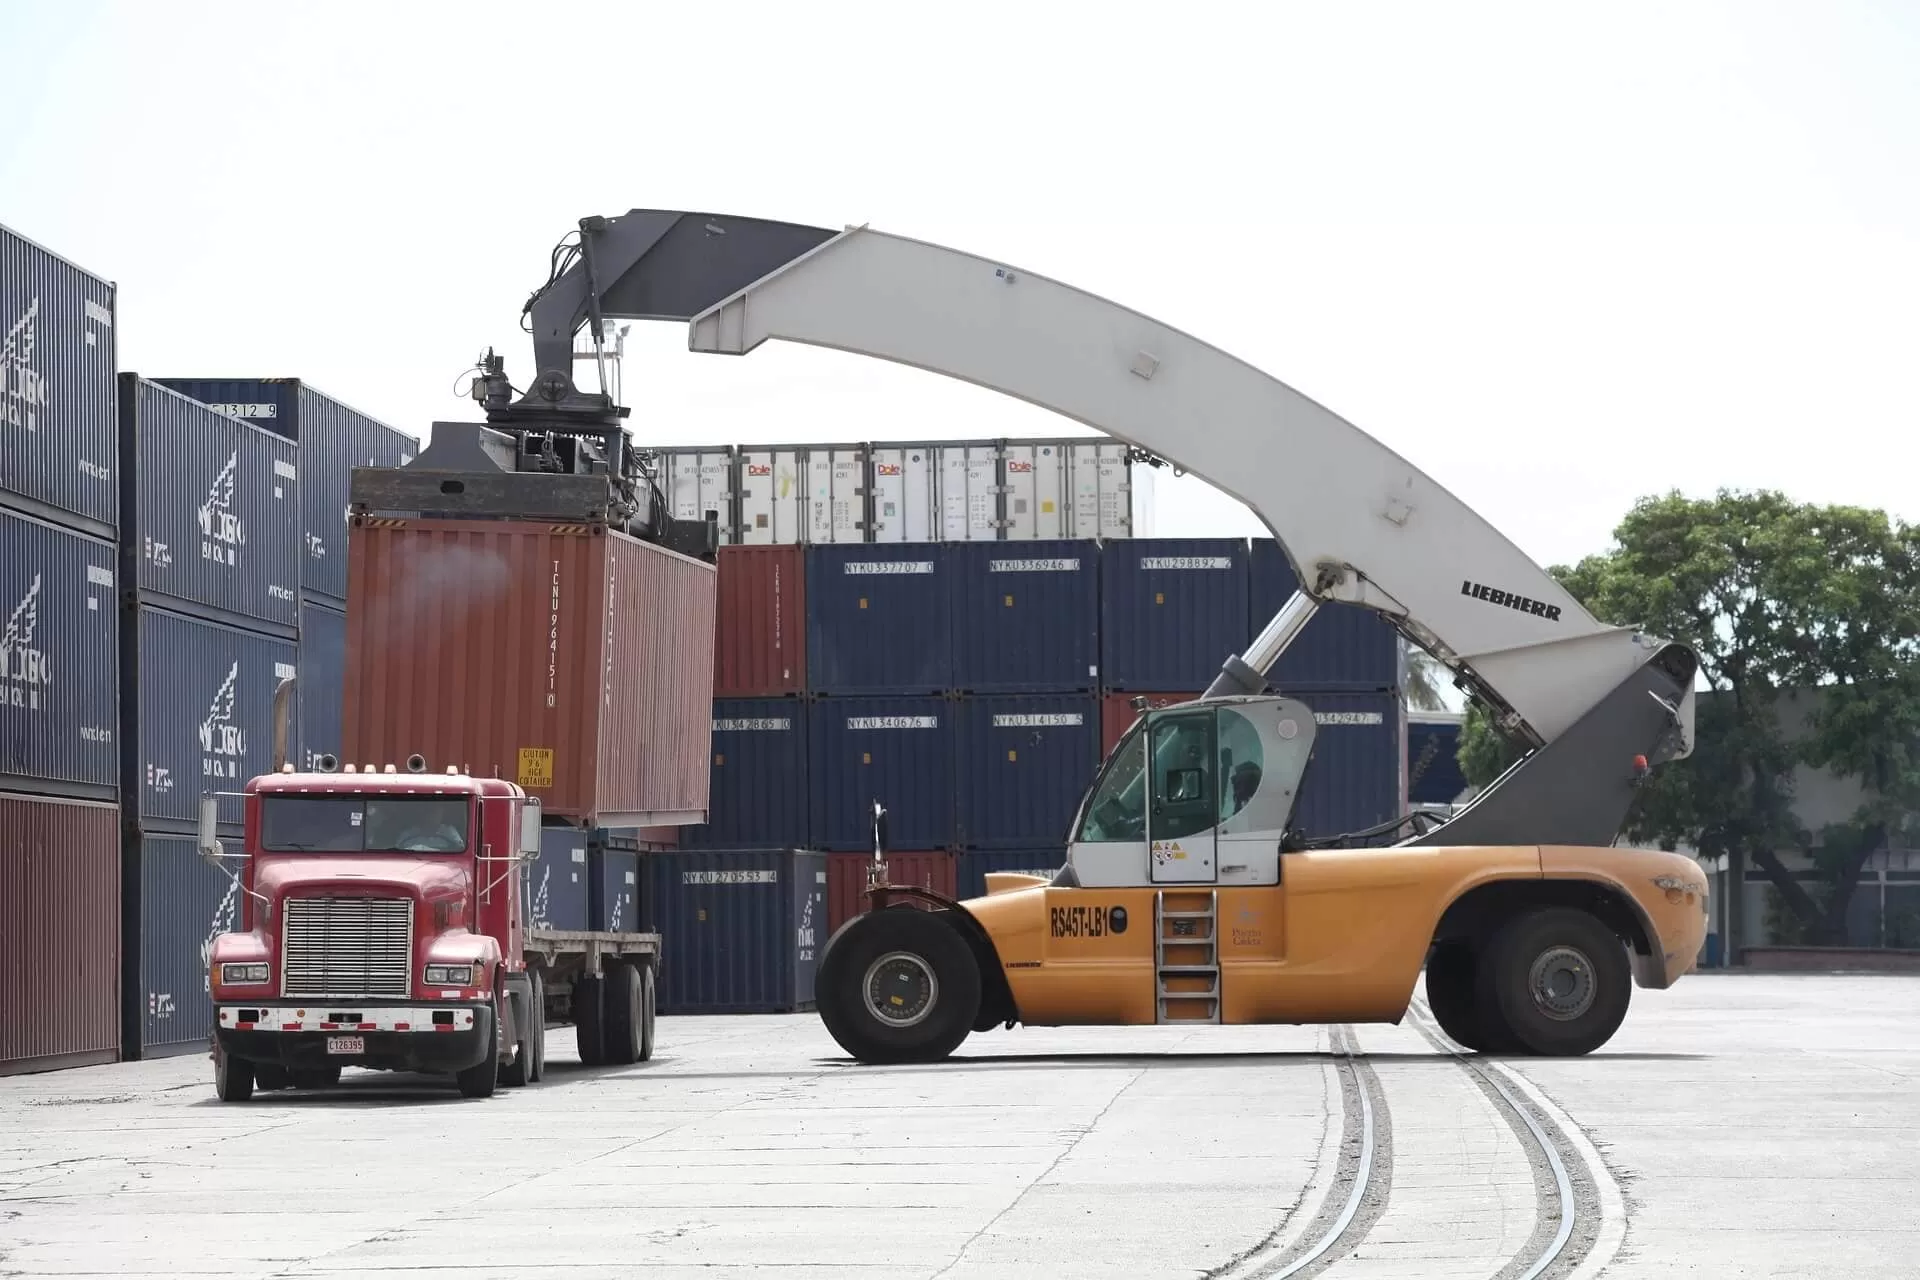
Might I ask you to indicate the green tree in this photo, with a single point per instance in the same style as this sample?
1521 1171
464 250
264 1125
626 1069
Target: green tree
1774 595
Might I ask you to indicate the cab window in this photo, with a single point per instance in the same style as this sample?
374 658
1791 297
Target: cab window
1118 811
1185 776
1242 763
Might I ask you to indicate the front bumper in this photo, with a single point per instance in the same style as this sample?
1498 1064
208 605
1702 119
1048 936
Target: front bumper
389 1036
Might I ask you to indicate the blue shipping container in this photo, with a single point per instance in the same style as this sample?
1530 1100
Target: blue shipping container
740 930
334 438
1023 762
879 618
59 660
1357 776
898 751
1026 616
1433 761
213 516
974 865
58 395
1172 610
613 889
203 711
556 882
757 789
184 905
1343 647
322 672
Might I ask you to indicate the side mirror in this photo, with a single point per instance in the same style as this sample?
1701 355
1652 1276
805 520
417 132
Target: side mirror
210 829
530 829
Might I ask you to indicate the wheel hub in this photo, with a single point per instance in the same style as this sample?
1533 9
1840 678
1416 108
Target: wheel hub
1562 983
901 989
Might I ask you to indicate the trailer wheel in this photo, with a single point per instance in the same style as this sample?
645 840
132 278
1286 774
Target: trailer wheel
646 1017
480 1080
269 1076
622 1000
315 1078
232 1077
898 986
1557 980
589 1026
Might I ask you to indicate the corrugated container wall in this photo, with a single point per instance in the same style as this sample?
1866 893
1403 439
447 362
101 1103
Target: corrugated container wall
334 439
1342 646
574 663
898 751
184 905
974 864
59 933
322 669
613 889
199 712
1171 611
1026 619
556 891
757 798
1023 762
1433 760
1357 778
696 481
212 510
58 358
847 880
59 645
760 628
740 930
879 619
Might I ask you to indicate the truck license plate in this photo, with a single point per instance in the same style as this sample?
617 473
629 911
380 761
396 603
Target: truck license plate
346 1044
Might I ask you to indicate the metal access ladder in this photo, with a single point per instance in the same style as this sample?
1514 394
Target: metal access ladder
1186 955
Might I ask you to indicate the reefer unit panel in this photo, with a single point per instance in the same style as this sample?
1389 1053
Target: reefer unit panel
203 711
1026 619
59 933
847 880
211 510
906 493
879 619
613 889
570 659
740 930
969 492
974 864
757 798
803 493
555 888
321 667
1357 777
59 647
1342 647
1433 759
1102 485
1171 611
898 751
334 438
696 481
760 630
58 393
184 905
1024 760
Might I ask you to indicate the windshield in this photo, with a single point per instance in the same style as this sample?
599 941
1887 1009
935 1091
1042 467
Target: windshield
357 824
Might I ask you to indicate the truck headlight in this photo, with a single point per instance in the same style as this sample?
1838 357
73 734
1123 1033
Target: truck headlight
237 975
449 975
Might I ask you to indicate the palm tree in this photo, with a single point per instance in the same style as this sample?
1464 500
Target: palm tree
1427 677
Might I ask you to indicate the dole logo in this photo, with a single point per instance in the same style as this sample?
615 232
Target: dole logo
888 469
23 391
1019 468
759 469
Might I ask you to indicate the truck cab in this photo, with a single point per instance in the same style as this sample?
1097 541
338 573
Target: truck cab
383 926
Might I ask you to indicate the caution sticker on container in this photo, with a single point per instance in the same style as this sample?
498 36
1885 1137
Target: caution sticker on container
536 767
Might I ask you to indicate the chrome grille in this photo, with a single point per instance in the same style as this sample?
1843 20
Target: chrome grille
347 947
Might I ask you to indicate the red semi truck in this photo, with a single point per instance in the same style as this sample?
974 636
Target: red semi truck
385 925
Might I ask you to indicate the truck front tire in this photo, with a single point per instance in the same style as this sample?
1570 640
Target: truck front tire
232 1077
898 986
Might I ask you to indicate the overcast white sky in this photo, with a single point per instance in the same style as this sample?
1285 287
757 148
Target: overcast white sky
1558 256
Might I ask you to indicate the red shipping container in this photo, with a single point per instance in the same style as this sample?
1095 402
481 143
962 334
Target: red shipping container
571 659
760 633
59 933
847 879
1117 714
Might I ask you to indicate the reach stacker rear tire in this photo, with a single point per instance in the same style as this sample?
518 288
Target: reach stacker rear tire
898 986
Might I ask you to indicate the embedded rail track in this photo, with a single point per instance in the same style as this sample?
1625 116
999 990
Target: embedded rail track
1577 1211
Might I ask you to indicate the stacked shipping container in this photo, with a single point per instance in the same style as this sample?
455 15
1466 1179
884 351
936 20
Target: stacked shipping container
59 637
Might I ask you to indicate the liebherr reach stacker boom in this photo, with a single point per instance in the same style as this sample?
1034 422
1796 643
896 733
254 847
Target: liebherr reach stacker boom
1185 896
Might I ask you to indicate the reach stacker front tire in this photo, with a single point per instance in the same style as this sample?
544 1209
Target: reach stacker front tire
1450 973
1557 981
898 986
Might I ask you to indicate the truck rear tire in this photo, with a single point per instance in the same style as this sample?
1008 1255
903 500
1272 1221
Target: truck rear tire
232 1077
519 1072
1557 980
646 1024
898 986
622 999
480 1080
269 1076
539 1027
589 1025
